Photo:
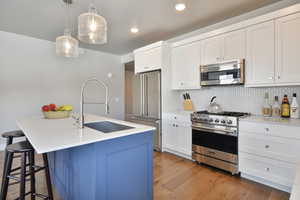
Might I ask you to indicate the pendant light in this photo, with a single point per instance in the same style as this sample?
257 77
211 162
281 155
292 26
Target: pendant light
92 28
66 45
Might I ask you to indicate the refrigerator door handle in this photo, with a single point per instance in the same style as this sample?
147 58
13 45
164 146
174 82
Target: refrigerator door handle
142 95
146 103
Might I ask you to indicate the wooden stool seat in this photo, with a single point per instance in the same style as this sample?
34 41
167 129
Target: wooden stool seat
13 134
20 147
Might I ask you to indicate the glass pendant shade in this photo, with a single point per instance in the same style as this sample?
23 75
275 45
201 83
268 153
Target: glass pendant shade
66 45
92 28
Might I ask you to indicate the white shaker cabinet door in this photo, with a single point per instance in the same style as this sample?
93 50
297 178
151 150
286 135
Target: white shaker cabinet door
186 66
288 48
170 136
184 139
212 50
148 60
260 59
235 45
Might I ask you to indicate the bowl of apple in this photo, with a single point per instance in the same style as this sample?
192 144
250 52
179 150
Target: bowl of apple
52 111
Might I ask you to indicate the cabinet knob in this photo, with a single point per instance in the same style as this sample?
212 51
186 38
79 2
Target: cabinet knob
176 125
267 129
278 77
267 169
267 146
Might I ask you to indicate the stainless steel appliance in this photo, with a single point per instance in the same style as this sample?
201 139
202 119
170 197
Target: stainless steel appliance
231 72
143 100
215 139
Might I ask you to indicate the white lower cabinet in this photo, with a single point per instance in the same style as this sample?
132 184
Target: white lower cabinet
269 153
177 135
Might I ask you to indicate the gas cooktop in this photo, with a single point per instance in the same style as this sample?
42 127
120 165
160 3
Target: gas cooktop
225 118
225 113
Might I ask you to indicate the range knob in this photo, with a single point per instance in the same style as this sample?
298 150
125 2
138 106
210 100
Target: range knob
229 122
223 121
217 120
211 120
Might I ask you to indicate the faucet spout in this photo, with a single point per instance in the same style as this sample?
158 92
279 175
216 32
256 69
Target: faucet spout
82 100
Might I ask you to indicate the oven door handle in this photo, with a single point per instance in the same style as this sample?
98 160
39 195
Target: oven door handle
224 132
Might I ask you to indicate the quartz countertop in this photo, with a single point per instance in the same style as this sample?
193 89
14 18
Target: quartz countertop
48 135
271 120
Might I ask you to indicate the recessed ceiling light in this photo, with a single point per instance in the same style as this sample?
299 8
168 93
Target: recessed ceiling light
180 6
134 30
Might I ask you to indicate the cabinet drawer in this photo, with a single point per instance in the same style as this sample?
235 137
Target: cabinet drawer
273 147
270 129
178 118
271 170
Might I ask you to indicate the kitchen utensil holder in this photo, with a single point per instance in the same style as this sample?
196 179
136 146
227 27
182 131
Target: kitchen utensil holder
188 105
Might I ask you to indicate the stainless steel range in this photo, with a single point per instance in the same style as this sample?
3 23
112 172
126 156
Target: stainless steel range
215 139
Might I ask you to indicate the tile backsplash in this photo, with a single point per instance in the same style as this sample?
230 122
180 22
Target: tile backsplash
239 98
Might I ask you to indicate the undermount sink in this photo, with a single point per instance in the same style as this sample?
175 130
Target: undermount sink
107 126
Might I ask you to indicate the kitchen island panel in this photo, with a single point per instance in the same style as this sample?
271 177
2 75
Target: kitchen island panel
119 168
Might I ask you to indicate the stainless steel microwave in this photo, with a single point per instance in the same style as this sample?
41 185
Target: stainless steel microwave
230 72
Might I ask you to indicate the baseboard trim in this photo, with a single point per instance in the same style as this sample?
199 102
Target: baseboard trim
266 182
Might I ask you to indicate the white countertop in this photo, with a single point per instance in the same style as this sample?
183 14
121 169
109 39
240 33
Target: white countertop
48 135
295 194
271 120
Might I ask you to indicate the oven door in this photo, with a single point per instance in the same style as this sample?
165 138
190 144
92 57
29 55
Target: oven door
220 140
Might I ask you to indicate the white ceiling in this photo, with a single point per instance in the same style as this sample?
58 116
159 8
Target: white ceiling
156 19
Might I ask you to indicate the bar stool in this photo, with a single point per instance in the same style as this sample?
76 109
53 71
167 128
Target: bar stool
9 136
26 150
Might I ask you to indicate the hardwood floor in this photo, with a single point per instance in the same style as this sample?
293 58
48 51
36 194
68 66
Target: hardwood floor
180 179
176 178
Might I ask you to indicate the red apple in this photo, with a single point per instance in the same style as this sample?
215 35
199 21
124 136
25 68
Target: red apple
45 108
52 107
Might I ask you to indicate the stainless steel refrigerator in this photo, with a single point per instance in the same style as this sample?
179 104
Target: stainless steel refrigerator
143 100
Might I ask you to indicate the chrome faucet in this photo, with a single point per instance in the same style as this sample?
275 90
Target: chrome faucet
82 102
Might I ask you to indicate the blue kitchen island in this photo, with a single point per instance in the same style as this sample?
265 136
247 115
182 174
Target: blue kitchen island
87 164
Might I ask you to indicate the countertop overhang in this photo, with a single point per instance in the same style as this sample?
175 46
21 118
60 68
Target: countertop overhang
47 135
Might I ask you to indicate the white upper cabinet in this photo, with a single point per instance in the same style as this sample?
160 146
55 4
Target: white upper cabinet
227 46
288 48
148 58
260 59
185 61
234 45
211 50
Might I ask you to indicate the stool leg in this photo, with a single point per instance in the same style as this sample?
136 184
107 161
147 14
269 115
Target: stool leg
7 169
48 178
22 177
8 142
32 174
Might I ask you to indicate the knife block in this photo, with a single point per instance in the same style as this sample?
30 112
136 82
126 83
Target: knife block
188 105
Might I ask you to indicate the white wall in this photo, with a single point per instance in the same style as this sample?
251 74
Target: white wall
31 75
